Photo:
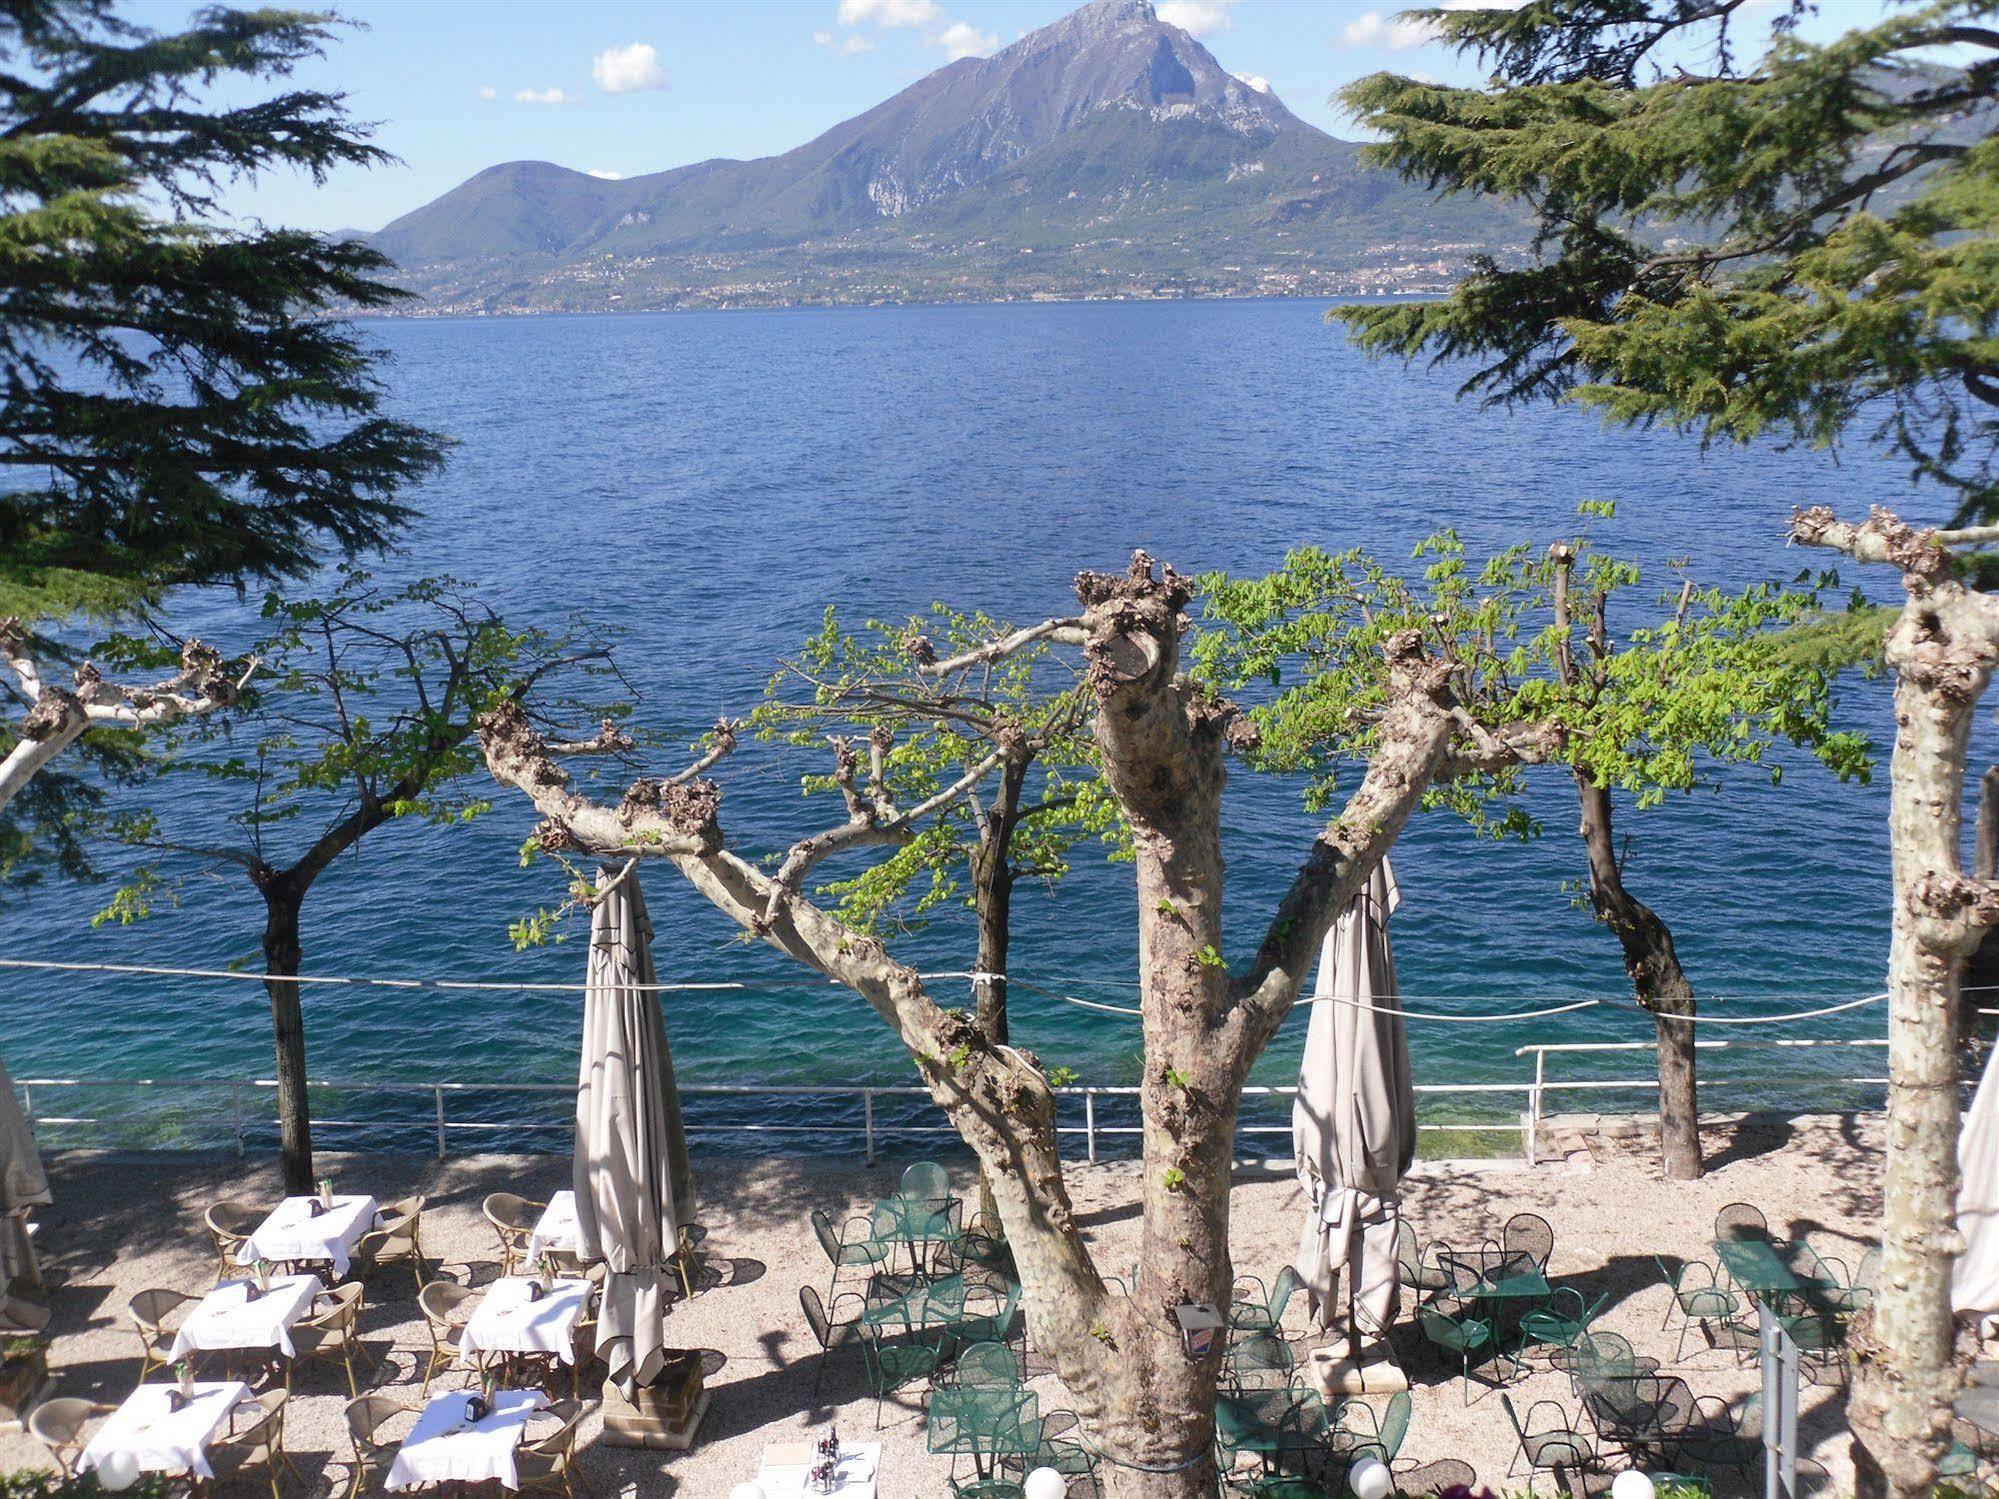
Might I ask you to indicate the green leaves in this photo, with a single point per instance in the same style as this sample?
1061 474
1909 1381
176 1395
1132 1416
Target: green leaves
1652 692
1808 250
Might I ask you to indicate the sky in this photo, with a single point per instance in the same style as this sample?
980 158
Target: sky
623 87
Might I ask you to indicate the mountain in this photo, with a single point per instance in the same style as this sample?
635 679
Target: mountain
1106 154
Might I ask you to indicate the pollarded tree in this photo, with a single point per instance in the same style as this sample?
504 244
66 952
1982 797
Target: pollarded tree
364 717
1942 651
176 404
1655 696
1162 739
1804 246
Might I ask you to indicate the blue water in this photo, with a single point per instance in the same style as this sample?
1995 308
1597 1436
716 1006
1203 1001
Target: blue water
712 480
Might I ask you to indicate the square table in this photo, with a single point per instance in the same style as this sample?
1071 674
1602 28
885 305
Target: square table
786 1466
510 1319
1757 1267
294 1232
935 1303
443 1447
163 1440
231 1317
556 1228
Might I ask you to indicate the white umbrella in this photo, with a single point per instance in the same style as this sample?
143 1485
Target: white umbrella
24 1186
1354 1123
634 1189
1975 1279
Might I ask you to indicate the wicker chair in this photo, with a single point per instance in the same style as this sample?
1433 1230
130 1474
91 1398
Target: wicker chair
548 1462
365 1419
230 1224
445 1306
58 1425
332 1331
150 1311
397 1238
259 1444
513 1218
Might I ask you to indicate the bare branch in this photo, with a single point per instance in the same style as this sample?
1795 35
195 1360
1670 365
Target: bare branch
1061 631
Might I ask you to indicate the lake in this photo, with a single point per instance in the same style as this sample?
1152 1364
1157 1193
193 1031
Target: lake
710 481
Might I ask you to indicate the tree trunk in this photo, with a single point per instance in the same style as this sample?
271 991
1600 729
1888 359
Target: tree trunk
992 886
282 956
1900 1409
1657 979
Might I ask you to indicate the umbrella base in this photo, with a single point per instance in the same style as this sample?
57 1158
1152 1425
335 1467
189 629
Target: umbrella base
665 1415
1335 1373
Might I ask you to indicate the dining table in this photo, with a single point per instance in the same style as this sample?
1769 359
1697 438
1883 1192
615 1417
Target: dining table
240 1316
518 1318
557 1228
787 1467
303 1230
163 1431
447 1445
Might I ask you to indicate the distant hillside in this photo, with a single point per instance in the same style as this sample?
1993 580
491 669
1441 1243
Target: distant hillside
1108 154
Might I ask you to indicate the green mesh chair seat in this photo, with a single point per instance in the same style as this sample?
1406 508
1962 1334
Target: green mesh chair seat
986 1423
1469 1339
1563 1321
1549 1439
895 1364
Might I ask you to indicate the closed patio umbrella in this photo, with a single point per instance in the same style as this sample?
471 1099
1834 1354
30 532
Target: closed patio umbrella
1975 1279
24 1186
1354 1123
634 1189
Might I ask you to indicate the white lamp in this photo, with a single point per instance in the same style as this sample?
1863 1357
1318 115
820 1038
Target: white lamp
118 1471
1631 1485
1045 1483
1370 1479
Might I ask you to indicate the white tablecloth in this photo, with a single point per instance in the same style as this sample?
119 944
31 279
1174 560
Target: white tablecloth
165 1441
860 1462
441 1448
507 1321
229 1318
293 1232
556 1228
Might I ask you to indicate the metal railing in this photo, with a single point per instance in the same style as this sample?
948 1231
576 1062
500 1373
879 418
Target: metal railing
1093 1131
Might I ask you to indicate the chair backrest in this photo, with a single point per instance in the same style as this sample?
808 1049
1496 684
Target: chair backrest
511 1213
441 1300
1395 1424
926 1182
1260 1352
266 1428
1281 1289
150 1308
60 1422
338 1307
366 1415
558 1442
1407 1256
815 1316
230 1220
1528 1234
822 1228
1512 1417
1741 1220
988 1364
1437 1326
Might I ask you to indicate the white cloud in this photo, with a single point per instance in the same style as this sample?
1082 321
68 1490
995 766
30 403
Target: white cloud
853 44
629 69
891 12
1374 29
1254 80
1199 17
607 176
540 96
489 93
963 39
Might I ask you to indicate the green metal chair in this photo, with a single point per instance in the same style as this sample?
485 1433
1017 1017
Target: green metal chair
894 1364
1263 1311
1065 1449
1425 1280
990 1312
991 1363
830 1329
854 1245
1700 1298
1468 1339
1718 1438
1561 1323
1559 1446
927 1183
1260 1361
988 1424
